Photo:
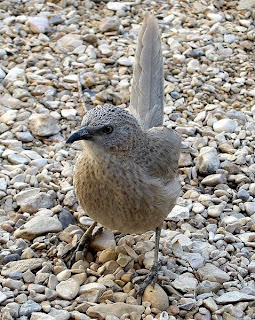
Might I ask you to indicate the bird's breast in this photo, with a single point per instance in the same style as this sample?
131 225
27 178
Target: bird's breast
112 194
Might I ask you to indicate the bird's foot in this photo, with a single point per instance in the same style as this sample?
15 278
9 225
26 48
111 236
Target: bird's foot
82 245
151 278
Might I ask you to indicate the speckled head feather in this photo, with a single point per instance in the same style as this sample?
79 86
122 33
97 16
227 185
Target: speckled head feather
109 128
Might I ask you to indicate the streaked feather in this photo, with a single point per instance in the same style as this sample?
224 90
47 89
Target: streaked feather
147 92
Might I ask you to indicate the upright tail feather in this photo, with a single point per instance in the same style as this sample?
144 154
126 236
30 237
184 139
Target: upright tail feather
147 92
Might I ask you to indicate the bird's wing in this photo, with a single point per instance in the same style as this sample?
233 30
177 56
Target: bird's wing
165 147
147 92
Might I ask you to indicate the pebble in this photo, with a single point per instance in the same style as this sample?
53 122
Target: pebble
212 271
29 307
44 125
225 125
116 309
38 24
185 282
157 297
40 316
109 24
68 289
38 226
214 179
178 213
92 291
234 296
33 204
208 161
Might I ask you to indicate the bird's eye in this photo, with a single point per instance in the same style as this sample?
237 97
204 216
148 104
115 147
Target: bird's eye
107 129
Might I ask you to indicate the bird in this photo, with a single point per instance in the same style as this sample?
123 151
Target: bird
126 177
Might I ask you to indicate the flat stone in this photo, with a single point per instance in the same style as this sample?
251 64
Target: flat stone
116 6
15 158
249 208
28 307
186 282
38 226
22 265
38 24
116 309
213 271
59 314
178 213
91 292
22 196
234 296
208 161
124 61
41 316
68 289
33 204
70 41
104 241
247 237
225 125
157 297
3 184
214 179
44 125
3 297
109 24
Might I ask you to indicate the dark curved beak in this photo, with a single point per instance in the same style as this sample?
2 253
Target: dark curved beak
81 134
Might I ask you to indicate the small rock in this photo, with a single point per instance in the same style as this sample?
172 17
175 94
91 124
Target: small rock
214 179
28 307
116 6
91 292
185 282
22 265
124 61
3 297
59 314
157 297
251 267
234 296
210 304
70 41
68 289
208 161
33 204
225 125
44 125
3 184
41 316
38 24
213 271
38 226
104 241
249 208
109 24
66 218
116 309
178 213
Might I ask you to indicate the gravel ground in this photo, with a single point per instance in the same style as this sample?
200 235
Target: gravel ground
50 51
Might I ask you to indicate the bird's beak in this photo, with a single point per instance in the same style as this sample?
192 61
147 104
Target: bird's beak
81 134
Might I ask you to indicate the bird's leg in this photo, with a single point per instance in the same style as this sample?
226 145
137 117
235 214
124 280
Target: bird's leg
153 274
82 244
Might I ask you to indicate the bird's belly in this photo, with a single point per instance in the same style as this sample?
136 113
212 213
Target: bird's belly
111 201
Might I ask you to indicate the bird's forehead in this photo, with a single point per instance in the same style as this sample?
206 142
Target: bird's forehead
105 115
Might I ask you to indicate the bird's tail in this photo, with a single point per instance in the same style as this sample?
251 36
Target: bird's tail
147 92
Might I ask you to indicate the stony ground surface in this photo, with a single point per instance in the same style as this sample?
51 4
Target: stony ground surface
50 51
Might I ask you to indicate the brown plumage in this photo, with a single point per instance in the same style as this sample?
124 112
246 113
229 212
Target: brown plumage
126 177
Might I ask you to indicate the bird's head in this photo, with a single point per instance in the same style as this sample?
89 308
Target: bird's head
109 128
